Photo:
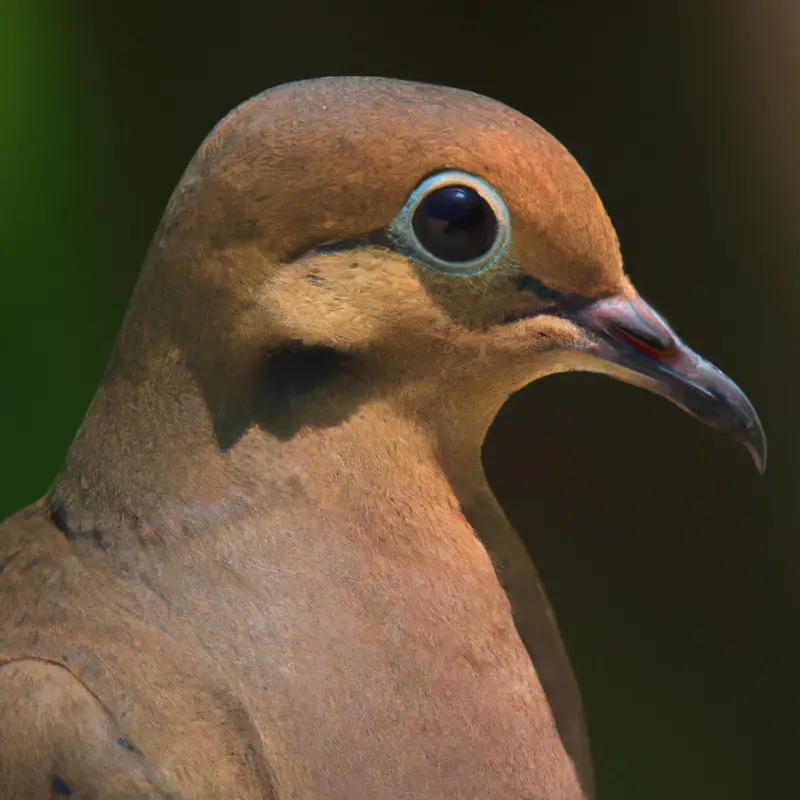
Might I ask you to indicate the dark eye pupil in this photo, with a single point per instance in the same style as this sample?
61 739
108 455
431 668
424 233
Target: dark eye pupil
455 224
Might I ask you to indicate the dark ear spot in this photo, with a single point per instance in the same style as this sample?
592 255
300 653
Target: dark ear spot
297 384
59 787
296 370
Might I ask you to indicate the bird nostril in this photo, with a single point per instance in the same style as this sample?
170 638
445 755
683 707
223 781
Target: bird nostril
650 342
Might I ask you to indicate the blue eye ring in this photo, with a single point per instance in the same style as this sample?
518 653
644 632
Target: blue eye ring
408 242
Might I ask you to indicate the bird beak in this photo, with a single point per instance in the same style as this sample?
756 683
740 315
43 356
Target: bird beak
639 347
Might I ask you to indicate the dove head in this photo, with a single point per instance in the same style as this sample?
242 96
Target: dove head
360 236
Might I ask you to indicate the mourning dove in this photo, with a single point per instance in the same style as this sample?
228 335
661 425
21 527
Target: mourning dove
271 566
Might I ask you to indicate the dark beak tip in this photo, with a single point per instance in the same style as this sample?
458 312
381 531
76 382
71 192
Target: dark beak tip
744 427
757 447
750 432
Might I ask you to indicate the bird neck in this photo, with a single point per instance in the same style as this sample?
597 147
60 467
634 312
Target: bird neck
149 456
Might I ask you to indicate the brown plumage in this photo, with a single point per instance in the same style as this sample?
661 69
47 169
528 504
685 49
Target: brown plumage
271 566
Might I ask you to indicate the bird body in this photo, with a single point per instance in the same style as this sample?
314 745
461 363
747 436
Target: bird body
271 566
322 632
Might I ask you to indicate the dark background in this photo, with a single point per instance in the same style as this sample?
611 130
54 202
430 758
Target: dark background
672 566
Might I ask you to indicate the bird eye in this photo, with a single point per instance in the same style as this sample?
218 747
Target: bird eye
454 222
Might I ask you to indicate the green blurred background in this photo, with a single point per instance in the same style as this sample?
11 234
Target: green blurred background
672 567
